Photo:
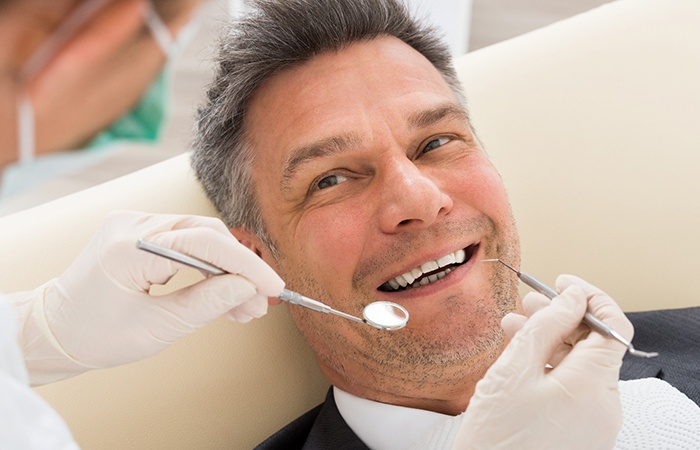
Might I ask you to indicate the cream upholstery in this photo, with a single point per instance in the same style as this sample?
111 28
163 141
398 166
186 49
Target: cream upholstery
593 123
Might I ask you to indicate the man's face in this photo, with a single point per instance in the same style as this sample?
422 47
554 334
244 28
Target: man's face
366 169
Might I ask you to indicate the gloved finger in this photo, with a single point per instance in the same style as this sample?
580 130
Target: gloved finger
547 329
123 227
537 340
568 343
254 308
596 354
149 224
533 302
133 269
600 304
223 251
512 323
559 354
195 242
208 299
565 280
581 332
183 222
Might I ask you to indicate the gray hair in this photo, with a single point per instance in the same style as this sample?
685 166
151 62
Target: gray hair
274 35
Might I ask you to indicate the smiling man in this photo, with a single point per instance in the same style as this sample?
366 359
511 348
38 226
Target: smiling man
371 185
337 145
392 189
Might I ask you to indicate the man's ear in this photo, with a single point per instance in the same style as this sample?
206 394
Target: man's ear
253 242
248 239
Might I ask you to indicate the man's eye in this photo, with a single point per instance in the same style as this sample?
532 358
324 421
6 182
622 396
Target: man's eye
330 181
435 143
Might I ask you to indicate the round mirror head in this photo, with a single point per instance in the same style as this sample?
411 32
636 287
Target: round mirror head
385 315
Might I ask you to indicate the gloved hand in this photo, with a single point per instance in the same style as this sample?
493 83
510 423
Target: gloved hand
99 313
522 404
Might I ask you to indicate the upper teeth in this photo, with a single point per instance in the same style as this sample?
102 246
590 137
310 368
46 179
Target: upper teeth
412 275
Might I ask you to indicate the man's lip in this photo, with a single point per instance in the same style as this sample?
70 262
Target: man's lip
470 249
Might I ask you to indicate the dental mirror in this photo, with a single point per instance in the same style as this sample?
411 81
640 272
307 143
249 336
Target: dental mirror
385 315
382 315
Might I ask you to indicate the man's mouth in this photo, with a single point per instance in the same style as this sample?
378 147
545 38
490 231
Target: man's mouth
429 272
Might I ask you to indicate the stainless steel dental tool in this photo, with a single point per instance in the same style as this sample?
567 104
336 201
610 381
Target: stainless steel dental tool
382 315
589 319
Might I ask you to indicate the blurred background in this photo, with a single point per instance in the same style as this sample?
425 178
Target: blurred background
135 104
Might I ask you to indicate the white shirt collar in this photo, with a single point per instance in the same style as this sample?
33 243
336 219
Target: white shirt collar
386 427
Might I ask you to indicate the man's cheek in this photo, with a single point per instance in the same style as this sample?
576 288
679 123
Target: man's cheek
483 190
332 238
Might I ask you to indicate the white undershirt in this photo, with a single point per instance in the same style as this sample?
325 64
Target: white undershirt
389 427
655 415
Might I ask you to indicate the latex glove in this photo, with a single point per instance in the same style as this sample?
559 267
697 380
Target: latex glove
99 313
521 404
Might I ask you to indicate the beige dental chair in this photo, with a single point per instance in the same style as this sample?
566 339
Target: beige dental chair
594 124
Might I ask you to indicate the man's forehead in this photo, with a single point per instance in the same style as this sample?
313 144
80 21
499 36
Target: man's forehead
387 53
307 109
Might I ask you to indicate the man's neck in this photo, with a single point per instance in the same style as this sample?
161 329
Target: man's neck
447 392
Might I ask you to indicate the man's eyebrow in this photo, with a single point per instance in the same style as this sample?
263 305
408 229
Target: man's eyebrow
431 116
337 144
324 147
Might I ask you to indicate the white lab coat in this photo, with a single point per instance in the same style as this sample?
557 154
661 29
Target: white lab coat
27 422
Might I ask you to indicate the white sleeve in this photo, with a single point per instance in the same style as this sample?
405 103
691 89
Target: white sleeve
26 420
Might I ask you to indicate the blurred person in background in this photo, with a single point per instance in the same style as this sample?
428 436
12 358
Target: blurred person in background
82 74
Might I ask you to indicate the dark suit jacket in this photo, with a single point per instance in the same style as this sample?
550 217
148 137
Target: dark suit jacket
675 334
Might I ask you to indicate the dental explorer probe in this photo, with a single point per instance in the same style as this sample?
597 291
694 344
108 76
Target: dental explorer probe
589 319
382 315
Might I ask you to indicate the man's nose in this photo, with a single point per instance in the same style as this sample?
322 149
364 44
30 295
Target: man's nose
409 198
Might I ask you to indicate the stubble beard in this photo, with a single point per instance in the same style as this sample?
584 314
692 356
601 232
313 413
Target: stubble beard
394 360
454 356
